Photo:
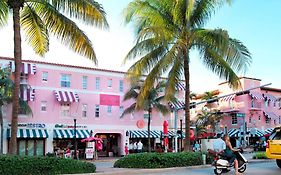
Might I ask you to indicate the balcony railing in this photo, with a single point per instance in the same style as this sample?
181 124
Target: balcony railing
255 105
232 106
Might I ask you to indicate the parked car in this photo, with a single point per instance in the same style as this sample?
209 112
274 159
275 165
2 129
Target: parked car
273 146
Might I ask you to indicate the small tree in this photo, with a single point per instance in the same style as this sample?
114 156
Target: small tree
153 100
208 118
6 95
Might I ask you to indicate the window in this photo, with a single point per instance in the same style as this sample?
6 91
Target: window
234 119
65 110
121 110
266 103
275 122
109 109
279 120
84 110
250 119
97 111
97 83
84 82
45 76
267 120
274 104
109 83
121 86
252 103
65 80
259 117
43 105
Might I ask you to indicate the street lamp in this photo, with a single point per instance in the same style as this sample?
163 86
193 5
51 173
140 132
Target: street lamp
75 141
181 133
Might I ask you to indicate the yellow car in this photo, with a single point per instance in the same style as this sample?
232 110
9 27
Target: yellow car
273 146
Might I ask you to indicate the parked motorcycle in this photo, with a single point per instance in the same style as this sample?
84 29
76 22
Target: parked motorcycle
221 164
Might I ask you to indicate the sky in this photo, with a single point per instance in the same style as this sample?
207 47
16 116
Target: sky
257 23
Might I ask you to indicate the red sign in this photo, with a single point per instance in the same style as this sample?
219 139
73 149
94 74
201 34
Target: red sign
109 100
140 124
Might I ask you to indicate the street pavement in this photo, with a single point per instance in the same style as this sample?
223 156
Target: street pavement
256 167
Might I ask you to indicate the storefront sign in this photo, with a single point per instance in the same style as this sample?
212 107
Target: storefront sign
69 126
31 125
109 100
89 151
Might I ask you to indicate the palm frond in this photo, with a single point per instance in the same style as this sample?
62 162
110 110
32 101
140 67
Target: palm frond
88 11
4 12
65 30
36 32
129 110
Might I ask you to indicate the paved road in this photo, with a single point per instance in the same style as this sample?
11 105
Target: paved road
265 168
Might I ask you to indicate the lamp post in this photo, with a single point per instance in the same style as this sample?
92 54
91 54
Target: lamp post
75 141
181 133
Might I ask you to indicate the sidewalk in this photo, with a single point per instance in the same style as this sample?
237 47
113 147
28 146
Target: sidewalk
105 166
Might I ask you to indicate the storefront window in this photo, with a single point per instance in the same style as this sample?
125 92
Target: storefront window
39 148
22 147
30 147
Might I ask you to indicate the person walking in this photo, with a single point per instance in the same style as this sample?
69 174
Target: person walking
139 146
135 147
126 149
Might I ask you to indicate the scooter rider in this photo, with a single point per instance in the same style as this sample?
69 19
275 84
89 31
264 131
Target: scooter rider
229 153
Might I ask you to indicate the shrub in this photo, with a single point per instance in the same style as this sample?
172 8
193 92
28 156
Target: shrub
27 165
159 160
260 155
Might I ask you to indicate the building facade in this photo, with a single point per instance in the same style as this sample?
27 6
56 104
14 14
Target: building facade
250 112
58 94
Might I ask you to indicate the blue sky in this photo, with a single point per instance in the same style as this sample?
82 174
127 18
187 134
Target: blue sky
257 23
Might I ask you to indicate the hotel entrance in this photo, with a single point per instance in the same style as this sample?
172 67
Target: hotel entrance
110 144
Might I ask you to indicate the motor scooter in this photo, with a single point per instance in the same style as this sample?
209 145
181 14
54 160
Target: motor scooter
221 164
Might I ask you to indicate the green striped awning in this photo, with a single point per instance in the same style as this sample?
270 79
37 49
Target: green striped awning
69 133
30 133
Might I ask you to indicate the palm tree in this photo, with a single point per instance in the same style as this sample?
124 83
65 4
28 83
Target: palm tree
208 118
152 100
167 31
6 94
209 95
38 18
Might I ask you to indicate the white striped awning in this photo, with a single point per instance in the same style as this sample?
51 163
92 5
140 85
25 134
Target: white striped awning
180 86
153 134
256 95
69 133
228 98
144 134
66 96
270 97
255 132
30 133
26 68
233 132
269 130
176 104
27 93
270 115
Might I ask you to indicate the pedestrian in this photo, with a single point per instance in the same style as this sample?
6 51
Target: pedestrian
139 146
126 149
135 147
131 147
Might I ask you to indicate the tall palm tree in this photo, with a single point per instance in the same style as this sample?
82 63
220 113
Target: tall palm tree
38 18
6 94
152 100
209 95
167 31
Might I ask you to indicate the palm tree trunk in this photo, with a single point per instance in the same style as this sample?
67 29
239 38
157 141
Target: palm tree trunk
187 101
148 128
2 130
15 5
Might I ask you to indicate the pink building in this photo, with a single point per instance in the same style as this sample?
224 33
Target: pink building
58 94
257 110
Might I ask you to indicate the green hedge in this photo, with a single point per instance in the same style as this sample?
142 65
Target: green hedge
159 160
260 155
27 165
